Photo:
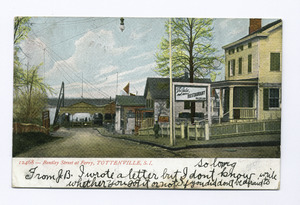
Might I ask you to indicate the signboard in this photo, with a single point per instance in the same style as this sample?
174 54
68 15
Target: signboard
46 119
163 119
190 93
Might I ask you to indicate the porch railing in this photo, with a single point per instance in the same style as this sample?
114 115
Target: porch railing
244 112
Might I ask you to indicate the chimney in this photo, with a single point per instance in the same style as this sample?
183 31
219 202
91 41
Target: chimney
255 24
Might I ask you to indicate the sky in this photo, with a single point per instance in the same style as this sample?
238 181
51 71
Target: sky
95 59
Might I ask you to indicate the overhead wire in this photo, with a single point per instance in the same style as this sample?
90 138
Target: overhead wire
81 33
70 67
66 65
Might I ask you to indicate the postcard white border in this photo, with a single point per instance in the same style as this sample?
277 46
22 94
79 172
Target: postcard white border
287 10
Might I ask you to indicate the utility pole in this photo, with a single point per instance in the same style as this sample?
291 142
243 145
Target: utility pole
82 85
117 84
172 139
44 62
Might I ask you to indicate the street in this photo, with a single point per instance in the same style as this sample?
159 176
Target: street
88 143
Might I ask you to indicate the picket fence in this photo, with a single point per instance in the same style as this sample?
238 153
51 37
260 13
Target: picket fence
198 131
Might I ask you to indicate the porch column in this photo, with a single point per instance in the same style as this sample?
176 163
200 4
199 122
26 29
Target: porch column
231 102
221 105
255 103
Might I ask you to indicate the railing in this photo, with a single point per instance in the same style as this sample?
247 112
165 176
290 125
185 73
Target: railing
199 131
148 122
245 128
19 128
245 112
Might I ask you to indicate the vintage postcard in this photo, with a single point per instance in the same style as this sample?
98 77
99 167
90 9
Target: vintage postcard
147 103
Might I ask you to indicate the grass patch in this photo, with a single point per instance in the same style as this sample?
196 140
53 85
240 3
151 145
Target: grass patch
25 141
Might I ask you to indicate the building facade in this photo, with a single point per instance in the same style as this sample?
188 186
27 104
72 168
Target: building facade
126 107
253 67
157 95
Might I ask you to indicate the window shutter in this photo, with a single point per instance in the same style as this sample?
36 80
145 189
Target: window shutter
240 65
275 62
233 65
249 63
228 68
266 99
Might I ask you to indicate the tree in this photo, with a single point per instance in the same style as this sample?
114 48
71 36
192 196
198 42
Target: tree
192 51
32 95
21 29
30 91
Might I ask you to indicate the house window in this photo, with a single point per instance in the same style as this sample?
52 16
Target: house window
249 63
249 45
152 104
275 61
231 51
231 67
271 98
240 65
239 48
274 98
187 104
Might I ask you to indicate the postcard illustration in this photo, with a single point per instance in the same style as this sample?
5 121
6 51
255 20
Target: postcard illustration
149 103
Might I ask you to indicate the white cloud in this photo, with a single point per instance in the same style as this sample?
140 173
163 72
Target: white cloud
32 51
106 70
93 50
138 35
145 55
140 69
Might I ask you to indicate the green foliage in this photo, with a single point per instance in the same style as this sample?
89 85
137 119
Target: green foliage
192 50
30 91
28 107
213 75
25 141
31 96
21 28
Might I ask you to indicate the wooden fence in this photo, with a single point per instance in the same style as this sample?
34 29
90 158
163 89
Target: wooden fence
220 130
216 130
19 128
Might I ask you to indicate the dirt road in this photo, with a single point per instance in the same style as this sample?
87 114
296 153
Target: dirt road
87 142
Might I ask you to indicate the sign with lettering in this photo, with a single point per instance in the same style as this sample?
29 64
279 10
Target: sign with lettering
190 93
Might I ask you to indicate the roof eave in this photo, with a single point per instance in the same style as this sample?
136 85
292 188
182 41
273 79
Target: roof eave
258 35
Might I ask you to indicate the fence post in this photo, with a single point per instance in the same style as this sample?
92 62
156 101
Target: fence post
206 130
197 133
182 130
168 130
188 131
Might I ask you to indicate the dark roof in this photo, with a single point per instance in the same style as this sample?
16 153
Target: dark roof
52 102
124 100
160 87
263 28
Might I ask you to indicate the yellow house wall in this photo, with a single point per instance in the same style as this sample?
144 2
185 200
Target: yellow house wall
268 45
272 113
244 55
